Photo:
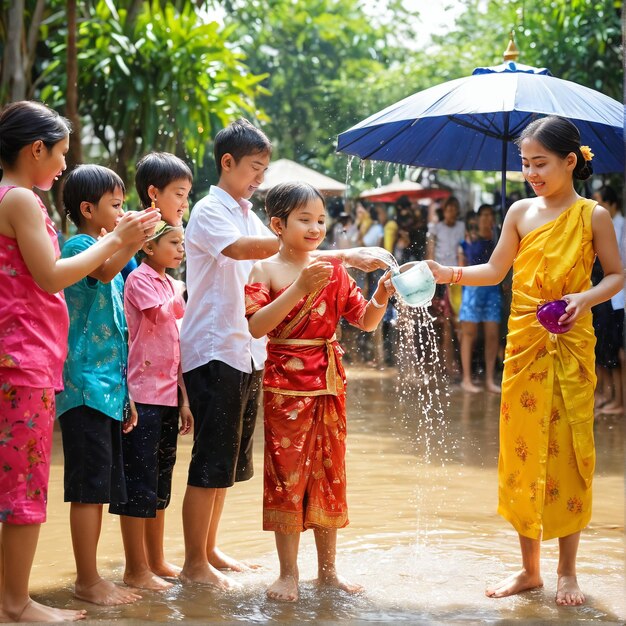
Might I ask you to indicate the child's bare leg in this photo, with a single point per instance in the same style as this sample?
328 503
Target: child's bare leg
568 592
615 406
469 330
17 551
326 544
214 555
198 507
85 525
154 531
491 352
528 578
137 573
285 588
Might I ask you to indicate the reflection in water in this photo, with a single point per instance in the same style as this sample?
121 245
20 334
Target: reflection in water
424 539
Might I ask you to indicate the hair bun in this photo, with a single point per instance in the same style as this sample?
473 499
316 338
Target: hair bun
584 171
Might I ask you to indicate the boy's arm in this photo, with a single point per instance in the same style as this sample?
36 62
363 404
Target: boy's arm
311 278
114 264
186 417
366 259
251 248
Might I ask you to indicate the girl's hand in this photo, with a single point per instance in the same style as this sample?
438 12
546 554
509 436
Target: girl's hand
577 306
131 421
186 420
135 227
442 273
314 276
386 284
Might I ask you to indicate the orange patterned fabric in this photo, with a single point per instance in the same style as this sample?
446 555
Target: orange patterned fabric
304 407
547 454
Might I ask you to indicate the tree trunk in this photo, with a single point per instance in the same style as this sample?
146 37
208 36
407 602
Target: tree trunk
13 84
75 153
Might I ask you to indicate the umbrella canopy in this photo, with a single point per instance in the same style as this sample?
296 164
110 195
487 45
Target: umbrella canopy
398 188
470 123
286 171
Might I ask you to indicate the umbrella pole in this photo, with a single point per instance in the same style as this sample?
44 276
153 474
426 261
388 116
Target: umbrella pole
505 141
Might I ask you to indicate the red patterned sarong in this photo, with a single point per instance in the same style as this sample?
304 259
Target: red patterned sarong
304 405
26 420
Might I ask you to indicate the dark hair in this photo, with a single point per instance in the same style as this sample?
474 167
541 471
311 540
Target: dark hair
240 138
608 195
24 122
485 207
403 202
159 169
284 198
88 183
558 135
451 200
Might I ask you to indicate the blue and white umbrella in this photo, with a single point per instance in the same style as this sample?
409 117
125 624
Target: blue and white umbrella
470 123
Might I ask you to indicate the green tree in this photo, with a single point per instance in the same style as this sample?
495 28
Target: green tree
318 56
152 76
577 40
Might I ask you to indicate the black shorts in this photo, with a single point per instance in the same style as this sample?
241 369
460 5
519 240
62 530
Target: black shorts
149 452
224 404
609 328
92 448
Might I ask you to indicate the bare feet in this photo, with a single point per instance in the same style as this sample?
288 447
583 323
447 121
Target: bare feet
208 575
470 386
166 570
105 593
284 589
515 583
34 612
493 388
219 560
146 580
334 580
568 592
612 409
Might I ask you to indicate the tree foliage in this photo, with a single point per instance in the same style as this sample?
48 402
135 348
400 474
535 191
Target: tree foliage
318 56
153 77
577 40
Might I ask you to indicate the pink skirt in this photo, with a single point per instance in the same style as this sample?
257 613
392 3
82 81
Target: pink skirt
26 421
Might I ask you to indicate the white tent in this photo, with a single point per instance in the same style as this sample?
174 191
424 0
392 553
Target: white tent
286 171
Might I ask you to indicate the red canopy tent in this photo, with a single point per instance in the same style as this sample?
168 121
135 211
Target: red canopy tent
396 189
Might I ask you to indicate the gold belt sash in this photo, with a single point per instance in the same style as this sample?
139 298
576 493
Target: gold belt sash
334 382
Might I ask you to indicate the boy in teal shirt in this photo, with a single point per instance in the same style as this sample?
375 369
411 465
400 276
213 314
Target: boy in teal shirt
91 407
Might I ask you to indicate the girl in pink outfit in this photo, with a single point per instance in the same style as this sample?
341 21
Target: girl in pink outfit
154 305
33 336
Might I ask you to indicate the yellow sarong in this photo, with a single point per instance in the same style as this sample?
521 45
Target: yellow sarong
547 454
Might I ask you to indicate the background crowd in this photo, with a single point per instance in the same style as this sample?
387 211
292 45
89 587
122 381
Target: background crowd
471 323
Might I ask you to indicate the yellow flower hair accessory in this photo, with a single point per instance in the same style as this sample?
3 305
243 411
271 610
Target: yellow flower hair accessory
586 152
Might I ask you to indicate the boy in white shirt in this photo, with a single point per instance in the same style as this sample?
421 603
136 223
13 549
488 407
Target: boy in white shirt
222 364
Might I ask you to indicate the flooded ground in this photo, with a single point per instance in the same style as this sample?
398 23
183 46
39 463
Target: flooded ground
424 539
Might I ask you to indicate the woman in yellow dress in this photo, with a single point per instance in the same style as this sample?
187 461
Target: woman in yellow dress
547 454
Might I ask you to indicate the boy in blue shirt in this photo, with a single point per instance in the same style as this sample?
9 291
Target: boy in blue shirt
91 407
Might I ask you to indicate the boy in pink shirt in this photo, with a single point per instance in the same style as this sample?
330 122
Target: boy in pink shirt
153 304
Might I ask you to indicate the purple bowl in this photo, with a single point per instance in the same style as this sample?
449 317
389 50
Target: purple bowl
548 315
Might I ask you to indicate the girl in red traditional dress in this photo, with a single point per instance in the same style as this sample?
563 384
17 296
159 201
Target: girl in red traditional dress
297 301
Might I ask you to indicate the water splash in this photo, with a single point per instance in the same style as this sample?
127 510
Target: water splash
421 395
383 255
349 172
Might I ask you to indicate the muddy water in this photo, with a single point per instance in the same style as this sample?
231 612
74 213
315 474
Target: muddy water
424 539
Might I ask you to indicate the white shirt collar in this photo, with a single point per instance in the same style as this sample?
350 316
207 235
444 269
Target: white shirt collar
228 201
